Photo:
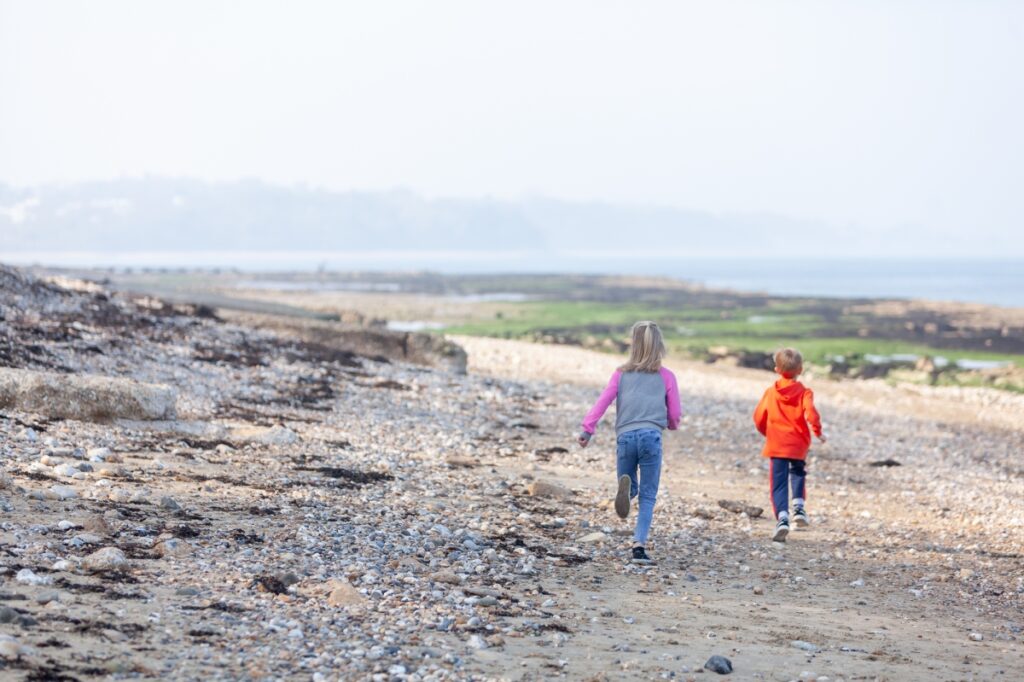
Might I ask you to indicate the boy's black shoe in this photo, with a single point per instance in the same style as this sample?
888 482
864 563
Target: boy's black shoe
781 530
622 497
640 556
800 517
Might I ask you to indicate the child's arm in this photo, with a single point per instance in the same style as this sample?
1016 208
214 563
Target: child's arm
761 414
672 403
811 414
600 407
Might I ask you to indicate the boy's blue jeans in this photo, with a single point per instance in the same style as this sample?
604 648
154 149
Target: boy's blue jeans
641 450
786 472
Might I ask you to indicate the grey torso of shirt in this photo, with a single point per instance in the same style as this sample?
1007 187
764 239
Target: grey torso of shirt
640 403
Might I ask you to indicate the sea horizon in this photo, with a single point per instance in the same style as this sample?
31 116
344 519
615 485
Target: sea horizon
990 281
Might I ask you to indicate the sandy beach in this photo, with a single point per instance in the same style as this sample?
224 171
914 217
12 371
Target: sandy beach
307 513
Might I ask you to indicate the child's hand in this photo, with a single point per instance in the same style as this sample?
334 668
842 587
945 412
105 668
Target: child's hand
583 440
822 438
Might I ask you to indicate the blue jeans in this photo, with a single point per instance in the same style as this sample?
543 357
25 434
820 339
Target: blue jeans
786 472
641 450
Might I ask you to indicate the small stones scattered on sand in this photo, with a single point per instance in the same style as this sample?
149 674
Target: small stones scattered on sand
418 534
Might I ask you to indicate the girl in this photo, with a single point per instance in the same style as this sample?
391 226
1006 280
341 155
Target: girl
646 401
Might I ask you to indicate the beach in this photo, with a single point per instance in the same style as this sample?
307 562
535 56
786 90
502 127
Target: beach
309 512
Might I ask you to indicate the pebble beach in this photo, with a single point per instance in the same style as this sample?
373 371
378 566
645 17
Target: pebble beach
302 512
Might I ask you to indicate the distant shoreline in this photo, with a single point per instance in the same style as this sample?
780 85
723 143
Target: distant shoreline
987 281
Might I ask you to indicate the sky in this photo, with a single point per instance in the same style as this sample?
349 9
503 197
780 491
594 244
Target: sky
887 114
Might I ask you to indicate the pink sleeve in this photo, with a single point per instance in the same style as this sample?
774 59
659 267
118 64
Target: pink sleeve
675 409
610 392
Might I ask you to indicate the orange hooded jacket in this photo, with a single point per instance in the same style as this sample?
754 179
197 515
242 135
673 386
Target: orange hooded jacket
785 417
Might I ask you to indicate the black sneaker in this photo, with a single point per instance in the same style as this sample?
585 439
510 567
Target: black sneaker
640 556
622 497
800 518
781 530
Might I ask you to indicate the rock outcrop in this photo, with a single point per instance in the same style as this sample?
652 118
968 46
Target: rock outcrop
84 397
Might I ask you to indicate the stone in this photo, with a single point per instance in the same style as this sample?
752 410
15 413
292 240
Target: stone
87 539
445 577
12 617
741 508
173 547
27 576
67 470
106 559
62 492
10 648
84 397
545 489
275 435
975 637
596 536
719 664
804 646
99 454
342 593
169 503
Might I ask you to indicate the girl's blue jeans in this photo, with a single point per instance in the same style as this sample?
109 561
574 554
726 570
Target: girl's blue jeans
640 452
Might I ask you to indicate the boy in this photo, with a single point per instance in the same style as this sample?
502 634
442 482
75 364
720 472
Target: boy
783 416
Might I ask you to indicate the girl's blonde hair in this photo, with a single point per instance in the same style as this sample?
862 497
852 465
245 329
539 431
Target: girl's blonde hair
647 349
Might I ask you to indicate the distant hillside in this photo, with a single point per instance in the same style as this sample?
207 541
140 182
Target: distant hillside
153 214
156 214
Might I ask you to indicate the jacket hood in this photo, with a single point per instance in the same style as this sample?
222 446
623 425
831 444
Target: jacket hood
789 391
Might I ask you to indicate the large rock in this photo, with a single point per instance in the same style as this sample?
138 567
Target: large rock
84 397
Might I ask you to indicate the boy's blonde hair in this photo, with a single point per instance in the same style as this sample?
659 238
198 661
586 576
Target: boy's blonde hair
789 361
647 349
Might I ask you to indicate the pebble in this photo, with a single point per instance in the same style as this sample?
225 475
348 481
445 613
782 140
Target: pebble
63 492
169 503
804 646
99 454
27 577
719 664
10 648
106 559
596 536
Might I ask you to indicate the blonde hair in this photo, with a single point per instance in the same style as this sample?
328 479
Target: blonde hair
789 360
647 349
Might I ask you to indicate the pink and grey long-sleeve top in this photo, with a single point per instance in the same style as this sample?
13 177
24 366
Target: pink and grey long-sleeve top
643 400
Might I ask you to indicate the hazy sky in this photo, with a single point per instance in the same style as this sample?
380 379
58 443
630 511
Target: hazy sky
881 114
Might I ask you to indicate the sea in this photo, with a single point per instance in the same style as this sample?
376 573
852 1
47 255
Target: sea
973 280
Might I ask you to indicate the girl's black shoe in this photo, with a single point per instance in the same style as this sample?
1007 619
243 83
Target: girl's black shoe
640 556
